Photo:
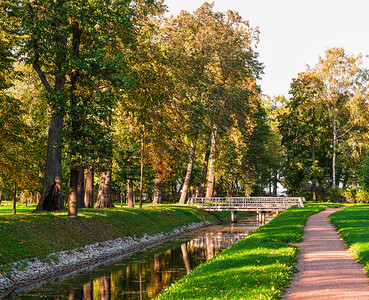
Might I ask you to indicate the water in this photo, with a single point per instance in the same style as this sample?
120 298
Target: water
145 274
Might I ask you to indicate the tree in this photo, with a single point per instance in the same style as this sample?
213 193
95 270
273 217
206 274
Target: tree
72 46
344 93
364 174
274 144
19 143
215 69
303 125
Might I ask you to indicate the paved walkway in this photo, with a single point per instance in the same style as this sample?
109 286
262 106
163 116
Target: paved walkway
326 269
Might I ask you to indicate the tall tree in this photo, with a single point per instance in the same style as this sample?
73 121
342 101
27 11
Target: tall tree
215 72
73 47
344 93
304 128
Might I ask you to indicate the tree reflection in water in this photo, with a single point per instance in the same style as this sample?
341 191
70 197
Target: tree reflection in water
147 273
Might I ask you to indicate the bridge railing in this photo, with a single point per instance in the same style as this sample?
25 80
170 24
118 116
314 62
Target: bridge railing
246 202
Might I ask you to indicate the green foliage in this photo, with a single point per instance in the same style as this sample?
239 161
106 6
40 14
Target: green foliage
304 129
355 195
352 224
335 195
363 174
259 266
362 196
214 69
102 63
323 125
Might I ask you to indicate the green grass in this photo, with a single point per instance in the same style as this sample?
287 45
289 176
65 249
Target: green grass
259 266
352 224
6 207
27 235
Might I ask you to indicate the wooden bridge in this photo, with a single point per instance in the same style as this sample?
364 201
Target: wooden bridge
261 205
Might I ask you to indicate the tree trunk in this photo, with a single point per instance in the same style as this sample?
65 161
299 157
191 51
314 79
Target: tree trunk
186 258
130 202
210 247
158 265
313 156
211 179
334 155
104 193
187 180
275 183
1 197
122 196
157 190
52 197
89 192
15 199
105 289
140 279
204 175
89 290
81 188
73 192
142 163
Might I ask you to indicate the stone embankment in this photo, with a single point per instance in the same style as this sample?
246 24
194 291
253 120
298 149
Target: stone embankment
28 274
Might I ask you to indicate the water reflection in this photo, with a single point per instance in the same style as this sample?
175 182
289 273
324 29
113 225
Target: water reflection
144 275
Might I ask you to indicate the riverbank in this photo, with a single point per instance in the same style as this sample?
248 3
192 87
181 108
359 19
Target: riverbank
258 267
36 247
28 235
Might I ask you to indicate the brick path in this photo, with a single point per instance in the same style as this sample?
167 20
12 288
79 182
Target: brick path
326 269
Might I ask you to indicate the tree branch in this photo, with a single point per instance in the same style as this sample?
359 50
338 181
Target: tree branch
43 77
36 66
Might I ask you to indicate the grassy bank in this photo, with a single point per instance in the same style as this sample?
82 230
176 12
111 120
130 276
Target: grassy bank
27 235
257 267
352 224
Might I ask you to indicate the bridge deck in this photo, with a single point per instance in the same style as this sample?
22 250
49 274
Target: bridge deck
257 204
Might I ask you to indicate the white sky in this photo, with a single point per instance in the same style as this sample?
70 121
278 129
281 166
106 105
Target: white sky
294 33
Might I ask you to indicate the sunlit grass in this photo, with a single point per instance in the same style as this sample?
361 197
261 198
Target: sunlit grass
27 235
352 224
6 207
259 266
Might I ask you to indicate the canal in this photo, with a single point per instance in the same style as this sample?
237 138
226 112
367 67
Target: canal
145 274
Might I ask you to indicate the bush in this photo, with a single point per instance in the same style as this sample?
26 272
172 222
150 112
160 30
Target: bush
350 194
362 196
335 195
308 196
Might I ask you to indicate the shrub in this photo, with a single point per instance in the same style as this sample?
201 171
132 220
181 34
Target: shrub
350 194
335 195
362 196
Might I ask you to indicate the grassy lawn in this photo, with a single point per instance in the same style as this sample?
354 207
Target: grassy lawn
6 207
352 224
258 267
27 235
